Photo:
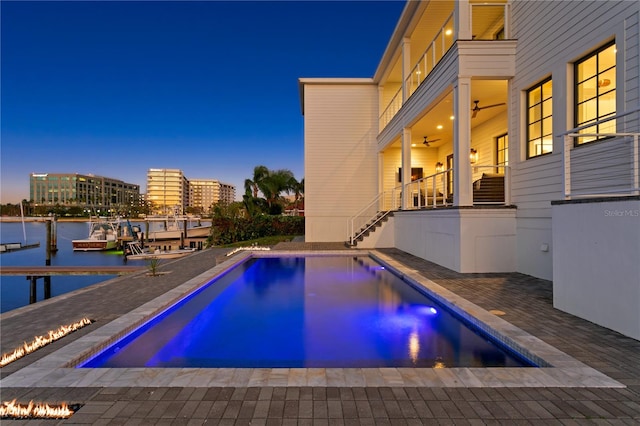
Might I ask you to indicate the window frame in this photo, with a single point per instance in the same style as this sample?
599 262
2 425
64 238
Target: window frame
528 123
505 138
576 94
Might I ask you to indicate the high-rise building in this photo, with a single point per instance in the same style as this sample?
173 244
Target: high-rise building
167 191
204 193
97 194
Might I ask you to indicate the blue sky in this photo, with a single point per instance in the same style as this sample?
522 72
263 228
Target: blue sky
208 87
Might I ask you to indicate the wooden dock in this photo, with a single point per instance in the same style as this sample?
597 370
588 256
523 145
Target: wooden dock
47 271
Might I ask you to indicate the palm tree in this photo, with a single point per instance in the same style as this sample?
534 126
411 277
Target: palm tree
274 184
269 183
298 191
252 187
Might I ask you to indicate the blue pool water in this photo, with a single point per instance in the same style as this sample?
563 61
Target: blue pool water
314 311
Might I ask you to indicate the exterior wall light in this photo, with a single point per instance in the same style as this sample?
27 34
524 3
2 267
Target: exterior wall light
473 156
439 167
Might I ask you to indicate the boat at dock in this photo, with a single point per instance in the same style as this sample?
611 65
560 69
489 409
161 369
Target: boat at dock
172 228
103 235
135 251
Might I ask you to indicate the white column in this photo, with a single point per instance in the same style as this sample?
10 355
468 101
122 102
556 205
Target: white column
462 189
381 107
406 166
381 203
462 19
406 67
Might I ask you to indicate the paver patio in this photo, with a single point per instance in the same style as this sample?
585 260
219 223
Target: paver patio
526 301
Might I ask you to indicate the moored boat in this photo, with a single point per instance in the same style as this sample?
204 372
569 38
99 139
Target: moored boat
172 228
134 251
103 235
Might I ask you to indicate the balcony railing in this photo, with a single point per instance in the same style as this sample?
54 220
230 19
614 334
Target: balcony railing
391 110
489 21
492 186
608 167
431 56
430 191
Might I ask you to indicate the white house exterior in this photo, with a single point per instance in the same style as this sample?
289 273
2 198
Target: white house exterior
466 134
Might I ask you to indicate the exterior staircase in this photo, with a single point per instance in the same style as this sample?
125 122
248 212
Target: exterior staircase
370 227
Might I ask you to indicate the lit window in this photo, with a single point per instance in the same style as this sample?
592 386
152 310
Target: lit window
539 119
595 94
502 152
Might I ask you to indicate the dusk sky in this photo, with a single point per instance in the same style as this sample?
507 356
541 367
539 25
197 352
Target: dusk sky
211 88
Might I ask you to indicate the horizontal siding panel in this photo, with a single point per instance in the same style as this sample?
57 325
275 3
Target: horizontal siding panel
546 47
340 155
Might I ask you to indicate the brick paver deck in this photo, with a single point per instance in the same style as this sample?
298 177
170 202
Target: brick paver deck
526 301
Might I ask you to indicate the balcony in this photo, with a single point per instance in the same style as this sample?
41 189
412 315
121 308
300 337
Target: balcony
486 21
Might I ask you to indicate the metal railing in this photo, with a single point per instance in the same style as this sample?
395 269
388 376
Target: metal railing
359 223
432 55
391 110
608 166
430 191
489 21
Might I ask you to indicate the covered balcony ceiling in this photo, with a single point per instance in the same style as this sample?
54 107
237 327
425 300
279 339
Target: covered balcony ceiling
487 92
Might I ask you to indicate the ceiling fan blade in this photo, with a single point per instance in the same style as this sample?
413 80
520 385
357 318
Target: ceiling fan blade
475 112
491 106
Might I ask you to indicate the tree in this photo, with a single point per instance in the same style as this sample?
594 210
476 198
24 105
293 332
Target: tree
298 190
253 186
271 184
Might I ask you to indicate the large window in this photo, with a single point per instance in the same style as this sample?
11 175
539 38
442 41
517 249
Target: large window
539 119
595 93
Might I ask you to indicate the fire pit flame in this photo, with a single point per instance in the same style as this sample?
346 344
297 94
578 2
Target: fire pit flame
13 410
40 341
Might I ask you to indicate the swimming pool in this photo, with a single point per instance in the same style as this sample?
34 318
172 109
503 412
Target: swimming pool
316 311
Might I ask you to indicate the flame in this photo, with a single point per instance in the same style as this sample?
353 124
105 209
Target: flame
40 410
252 248
40 341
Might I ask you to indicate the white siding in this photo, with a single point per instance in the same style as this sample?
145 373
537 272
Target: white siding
341 157
551 36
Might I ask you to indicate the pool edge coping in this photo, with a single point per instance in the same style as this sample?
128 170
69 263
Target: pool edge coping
58 368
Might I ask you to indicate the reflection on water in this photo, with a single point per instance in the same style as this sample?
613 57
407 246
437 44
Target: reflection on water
306 312
14 290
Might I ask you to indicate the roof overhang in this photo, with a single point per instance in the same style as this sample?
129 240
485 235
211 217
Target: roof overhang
407 21
328 81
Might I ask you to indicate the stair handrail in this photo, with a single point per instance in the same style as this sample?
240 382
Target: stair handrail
361 213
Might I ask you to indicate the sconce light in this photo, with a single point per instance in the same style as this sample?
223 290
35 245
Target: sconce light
439 167
473 156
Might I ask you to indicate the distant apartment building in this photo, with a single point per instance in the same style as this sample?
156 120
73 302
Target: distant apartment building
97 194
204 193
167 191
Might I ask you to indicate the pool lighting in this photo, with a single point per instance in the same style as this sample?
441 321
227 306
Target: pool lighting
426 310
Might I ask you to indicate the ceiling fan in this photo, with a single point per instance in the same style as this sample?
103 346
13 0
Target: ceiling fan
476 108
427 142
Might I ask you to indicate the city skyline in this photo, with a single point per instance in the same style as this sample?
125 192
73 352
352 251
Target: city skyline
117 88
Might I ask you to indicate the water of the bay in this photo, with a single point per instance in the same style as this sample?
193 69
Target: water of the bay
14 290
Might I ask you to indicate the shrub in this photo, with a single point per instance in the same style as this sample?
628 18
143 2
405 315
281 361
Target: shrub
231 230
